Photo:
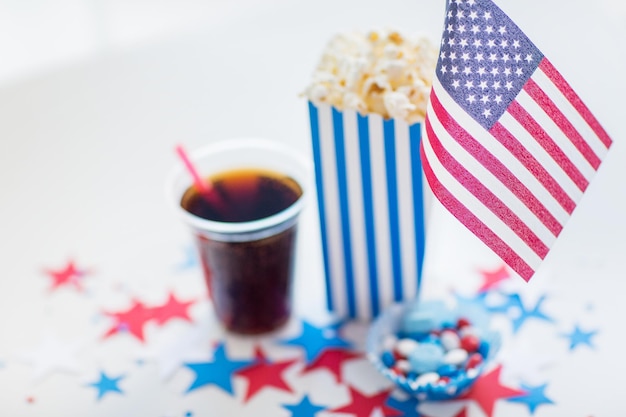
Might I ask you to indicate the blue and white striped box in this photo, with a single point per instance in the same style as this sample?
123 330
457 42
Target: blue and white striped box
372 207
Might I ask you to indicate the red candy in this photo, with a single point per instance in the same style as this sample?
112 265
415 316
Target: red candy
470 343
473 361
462 322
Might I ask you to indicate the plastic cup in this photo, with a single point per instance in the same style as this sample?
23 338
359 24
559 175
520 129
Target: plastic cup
248 266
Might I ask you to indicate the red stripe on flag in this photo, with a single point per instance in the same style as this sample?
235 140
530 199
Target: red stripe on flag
563 86
478 228
530 124
541 98
493 165
482 193
509 141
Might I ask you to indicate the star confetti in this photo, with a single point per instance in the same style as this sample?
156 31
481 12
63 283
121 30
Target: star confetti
579 337
534 398
132 320
172 351
263 373
107 384
534 313
52 355
190 259
315 339
407 407
217 372
487 390
68 276
492 279
363 405
332 360
172 309
304 408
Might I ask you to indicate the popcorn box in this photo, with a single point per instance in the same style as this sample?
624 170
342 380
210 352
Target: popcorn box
372 208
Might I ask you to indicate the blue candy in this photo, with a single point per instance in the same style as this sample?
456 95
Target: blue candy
427 357
483 349
448 370
388 359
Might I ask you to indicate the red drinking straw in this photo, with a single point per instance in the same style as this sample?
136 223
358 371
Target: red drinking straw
204 186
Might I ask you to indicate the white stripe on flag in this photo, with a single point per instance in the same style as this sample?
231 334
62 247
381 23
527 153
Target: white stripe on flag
573 116
502 154
333 215
381 210
468 200
357 222
405 210
543 158
486 178
556 134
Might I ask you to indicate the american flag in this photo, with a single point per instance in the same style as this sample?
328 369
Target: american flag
509 147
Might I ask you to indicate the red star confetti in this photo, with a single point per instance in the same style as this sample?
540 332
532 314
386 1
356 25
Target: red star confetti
131 320
332 360
68 276
172 309
492 279
487 390
363 405
263 374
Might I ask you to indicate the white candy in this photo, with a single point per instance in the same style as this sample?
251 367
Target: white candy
427 378
406 346
450 340
403 365
455 357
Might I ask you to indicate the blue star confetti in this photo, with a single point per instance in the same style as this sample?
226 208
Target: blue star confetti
107 384
315 339
408 407
190 260
534 398
217 372
304 408
578 337
534 313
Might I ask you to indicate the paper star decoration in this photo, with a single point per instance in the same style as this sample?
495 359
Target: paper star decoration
513 305
172 351
67 276
217 372
487 390
52 355
304 408
107 384
534 398
578 337
492 279
132 320
314 340
332 360
407 407
172 309
263 373
362 405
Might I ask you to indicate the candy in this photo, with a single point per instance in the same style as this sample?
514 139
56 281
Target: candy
470 343
405 347
455 357
473 361
427 357
427 378
449 340
446 355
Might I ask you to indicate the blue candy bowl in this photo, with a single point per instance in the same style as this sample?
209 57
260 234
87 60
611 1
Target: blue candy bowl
392 323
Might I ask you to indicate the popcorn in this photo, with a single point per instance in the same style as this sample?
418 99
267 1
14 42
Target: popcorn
382 72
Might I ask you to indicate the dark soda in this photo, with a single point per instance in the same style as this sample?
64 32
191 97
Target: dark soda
250 282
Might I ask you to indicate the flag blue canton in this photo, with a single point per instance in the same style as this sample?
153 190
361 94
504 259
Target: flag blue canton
485 59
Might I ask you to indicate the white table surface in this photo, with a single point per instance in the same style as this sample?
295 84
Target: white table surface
86 141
